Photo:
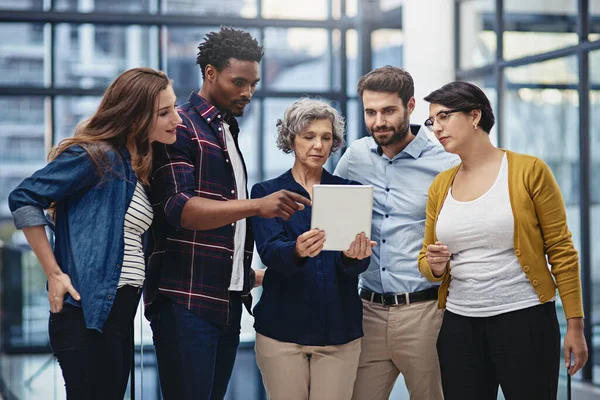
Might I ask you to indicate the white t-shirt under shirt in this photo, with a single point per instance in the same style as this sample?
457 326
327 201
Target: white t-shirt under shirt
486 277
237 274
138 219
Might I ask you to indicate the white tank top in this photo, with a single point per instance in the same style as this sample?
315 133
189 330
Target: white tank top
486 277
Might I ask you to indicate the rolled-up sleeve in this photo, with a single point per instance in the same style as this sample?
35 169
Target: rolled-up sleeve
173 179
71 171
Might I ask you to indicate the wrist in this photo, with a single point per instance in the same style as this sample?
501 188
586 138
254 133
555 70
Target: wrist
438 272
253 206
575 324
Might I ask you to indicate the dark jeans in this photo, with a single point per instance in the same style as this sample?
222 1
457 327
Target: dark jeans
195 357
519 350
95 365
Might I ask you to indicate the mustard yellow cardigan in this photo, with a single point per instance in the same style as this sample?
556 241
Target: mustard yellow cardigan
540 230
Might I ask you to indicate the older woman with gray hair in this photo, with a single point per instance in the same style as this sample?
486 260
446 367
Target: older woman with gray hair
309 319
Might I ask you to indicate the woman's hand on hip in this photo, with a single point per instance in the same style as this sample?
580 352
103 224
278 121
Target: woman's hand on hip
360 248
438 256
310 243
60 284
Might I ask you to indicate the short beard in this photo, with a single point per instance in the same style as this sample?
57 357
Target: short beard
400 133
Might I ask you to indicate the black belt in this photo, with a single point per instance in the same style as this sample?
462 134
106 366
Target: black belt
395 299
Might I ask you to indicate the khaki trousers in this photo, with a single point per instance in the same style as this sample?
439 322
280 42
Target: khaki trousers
294 372
399 340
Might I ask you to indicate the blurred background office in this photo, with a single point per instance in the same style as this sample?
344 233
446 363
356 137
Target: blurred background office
537 60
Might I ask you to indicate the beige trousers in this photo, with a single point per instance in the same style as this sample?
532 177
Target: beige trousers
294 372
399 340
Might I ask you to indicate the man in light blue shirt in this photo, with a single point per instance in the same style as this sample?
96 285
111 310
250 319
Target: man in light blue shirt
401 320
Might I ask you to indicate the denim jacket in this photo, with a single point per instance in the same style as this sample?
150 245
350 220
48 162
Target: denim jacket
90 218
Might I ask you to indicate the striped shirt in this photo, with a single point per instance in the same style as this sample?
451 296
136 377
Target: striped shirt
138 219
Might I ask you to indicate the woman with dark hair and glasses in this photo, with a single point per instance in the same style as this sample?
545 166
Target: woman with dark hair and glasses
491 223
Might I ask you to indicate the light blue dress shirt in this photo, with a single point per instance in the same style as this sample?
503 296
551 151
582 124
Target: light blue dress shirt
400 198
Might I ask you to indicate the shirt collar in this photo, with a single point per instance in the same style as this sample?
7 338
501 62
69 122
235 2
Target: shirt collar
414 148
289 183
211 114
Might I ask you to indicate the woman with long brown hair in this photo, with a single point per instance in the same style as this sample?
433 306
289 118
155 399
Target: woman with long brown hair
95 181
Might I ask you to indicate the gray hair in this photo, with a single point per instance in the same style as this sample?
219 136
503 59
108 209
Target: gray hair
302 113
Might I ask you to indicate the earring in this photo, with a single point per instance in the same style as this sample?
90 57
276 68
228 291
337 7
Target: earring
475 126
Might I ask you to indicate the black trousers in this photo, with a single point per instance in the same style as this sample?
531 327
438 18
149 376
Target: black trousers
518 351
95 365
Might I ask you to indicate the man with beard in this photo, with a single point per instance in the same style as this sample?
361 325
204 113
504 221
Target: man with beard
199 272
400 315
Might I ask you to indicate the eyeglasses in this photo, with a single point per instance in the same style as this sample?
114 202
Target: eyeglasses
442 117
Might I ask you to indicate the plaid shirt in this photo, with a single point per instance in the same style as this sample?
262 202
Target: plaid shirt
193 268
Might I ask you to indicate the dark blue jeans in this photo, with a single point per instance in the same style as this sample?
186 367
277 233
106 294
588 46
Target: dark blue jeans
95 365
195 357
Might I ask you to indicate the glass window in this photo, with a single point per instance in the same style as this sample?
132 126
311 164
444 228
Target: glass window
299 10
562 71
594 24
29 5
351 8
276 161
296 59
386 47
352 62
595 206
70 111
22 151
476 31
229 8
388 5
354 121
541 118
90 56
533 27
23 58
111 6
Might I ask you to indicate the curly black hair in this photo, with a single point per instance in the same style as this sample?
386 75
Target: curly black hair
219 47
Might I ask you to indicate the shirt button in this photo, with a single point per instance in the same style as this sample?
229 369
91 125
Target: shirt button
227 161
383 269
219 116
233 224
517 252
219 128
383 240
387 216
542 297
535 283
389 162
526 268
118 265
109 297
233 192
207 119
231 257
387 189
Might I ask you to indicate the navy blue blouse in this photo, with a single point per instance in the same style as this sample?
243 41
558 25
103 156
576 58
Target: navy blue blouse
313 301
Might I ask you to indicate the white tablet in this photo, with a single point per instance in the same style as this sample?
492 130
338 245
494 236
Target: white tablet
342 211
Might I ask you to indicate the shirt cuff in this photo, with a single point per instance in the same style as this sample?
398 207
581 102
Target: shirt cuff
173 208
27 216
